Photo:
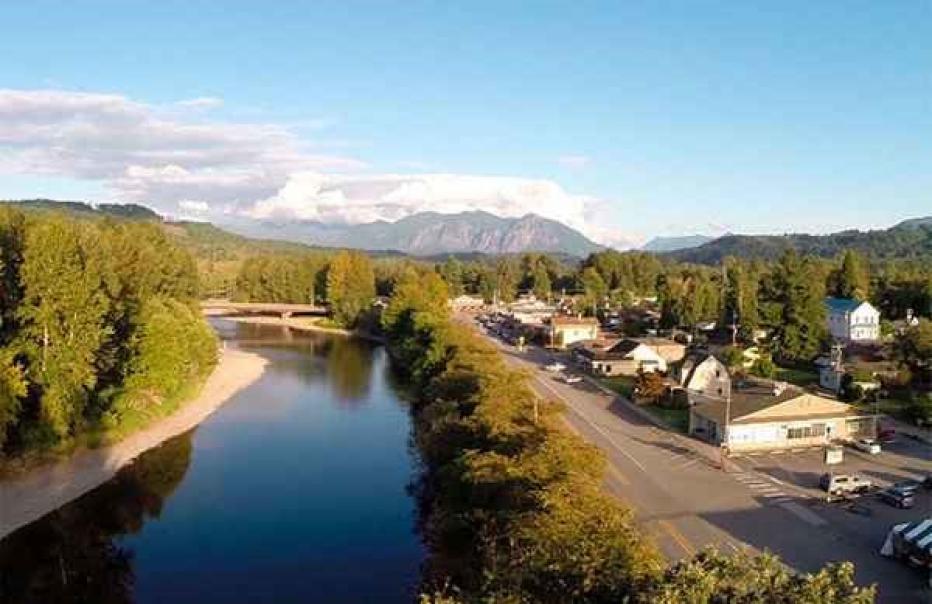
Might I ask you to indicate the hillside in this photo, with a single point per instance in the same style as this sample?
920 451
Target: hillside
911 239
672 244
432 233
81 209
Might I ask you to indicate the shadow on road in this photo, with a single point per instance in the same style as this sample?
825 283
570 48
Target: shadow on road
806 548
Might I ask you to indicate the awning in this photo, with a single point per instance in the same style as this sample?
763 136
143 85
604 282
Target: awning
918 534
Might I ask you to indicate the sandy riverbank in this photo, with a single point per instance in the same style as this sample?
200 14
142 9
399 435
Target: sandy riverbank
302 324
26 498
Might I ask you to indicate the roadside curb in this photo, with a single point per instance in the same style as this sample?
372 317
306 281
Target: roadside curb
679 438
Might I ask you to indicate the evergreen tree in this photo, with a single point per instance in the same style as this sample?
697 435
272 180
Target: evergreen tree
852 279
800 292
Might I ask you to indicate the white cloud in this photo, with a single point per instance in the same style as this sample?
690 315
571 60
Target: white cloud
201 102
167 158
574 161
148 155
358 198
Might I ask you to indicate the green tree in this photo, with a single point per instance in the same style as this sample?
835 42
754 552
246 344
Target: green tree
913 350
594 287
852 280
62 315
350 286
800 292
542 284
172 346
711 577
452 271
12 390
764 367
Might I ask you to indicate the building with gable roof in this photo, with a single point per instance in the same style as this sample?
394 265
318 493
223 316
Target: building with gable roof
851 320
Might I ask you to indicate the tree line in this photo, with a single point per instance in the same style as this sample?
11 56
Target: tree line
784 295
510 503
98 326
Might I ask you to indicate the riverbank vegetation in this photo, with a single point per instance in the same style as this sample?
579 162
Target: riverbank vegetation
99 327
511 505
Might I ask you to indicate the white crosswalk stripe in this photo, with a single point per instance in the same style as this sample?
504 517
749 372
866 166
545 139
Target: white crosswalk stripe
768 490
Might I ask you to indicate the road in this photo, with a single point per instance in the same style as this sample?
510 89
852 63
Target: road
686 501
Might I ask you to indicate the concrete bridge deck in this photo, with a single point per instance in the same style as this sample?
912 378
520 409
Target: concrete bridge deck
264 308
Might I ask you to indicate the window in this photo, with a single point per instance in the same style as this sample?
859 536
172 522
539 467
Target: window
805 431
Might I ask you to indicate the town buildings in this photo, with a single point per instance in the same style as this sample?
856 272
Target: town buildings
629 355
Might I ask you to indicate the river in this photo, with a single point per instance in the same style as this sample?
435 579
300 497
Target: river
294 491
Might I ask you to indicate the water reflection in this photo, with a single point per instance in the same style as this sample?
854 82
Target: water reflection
347 362
294 491
72 555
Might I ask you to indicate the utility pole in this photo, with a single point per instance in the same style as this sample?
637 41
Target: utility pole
725 432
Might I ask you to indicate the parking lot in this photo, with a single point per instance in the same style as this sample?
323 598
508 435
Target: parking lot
904 459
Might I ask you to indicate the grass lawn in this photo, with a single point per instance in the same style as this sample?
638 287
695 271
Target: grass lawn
894 407
677 419
622 384
798 377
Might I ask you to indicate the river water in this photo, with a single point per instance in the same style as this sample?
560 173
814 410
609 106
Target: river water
293 491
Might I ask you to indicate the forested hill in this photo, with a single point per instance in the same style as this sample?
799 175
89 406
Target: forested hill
81 209
911 239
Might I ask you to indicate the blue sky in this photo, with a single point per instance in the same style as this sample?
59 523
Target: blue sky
651 118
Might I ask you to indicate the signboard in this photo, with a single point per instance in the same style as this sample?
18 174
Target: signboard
834 455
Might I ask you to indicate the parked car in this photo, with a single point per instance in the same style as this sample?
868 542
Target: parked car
572 379
555 367
887 435
868 445
844 484
908 486
898 497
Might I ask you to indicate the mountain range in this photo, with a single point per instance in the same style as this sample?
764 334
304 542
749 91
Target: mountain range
435 235
430 234
672 244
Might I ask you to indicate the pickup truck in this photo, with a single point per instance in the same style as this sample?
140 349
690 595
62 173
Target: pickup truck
844 484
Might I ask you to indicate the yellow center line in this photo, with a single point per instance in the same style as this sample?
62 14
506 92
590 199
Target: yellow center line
677 536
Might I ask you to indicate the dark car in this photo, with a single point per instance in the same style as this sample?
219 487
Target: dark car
908 486
898 497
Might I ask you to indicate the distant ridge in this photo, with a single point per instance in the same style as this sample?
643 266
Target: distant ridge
910 239
129 211
432 233
672 244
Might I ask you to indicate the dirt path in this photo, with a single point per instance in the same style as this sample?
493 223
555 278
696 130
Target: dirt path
26 498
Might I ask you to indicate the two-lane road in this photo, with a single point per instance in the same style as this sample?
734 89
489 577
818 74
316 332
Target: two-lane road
685 500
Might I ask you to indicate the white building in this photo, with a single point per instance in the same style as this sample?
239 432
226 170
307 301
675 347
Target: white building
704 374
766 416
627 356
852 321
561 332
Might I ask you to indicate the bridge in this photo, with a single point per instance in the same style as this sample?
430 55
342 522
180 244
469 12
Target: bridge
263 308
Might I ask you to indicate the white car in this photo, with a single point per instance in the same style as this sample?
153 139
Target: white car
868 445
572 379
555 367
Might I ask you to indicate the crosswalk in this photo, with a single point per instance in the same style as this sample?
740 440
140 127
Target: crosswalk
768 489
